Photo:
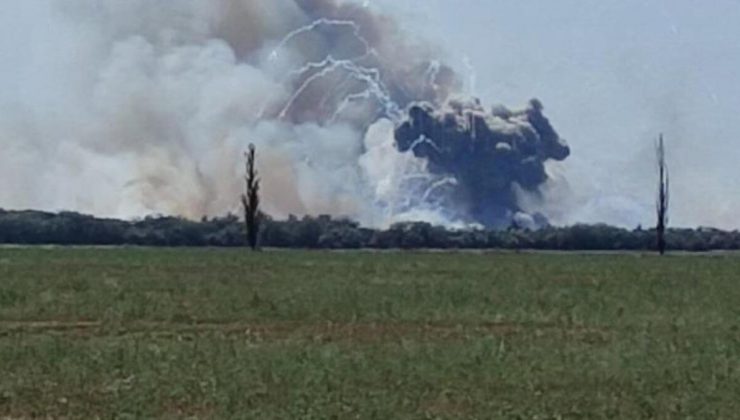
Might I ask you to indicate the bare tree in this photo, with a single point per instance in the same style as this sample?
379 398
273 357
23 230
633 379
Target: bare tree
663 197
251 199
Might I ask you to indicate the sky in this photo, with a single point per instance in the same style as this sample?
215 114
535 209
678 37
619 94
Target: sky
612 75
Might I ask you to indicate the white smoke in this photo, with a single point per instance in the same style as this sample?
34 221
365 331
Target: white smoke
143 107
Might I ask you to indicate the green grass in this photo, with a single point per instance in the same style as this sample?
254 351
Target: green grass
143 333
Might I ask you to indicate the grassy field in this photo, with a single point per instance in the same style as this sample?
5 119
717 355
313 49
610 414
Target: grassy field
142 333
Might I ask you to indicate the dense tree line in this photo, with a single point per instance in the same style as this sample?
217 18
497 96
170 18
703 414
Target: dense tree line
67 228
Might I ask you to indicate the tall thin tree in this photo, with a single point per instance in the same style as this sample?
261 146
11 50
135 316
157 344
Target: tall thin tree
251 198
663 197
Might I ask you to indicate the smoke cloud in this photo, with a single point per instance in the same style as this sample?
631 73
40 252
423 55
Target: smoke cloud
149 106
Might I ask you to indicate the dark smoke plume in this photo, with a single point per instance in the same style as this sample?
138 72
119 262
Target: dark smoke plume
488 153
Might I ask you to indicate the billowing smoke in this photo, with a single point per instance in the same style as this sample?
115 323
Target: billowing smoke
487 155
155 102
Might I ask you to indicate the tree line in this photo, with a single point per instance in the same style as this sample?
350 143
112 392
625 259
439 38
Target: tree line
325 232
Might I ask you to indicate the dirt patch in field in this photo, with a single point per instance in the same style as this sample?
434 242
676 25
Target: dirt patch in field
364 332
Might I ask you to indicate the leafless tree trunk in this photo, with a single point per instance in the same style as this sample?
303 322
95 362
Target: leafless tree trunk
251 199
663 195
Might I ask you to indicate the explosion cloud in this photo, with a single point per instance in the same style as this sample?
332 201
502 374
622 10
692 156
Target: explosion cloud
158 100
487 154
